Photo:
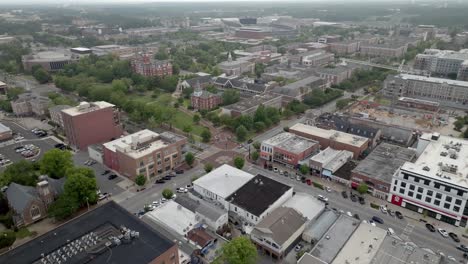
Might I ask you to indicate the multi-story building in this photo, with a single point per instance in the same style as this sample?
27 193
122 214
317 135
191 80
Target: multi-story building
463 72
378 168
344 47
204 100
30 104
52 60
328 161
146 65
329 39
144 153
387 50
335 75
236 67
299 89
3 88
56 114
332 138
418 104
312 58
249 106
435 184
5 132
288 149
440 90
91 123
117 50
252 33
440 62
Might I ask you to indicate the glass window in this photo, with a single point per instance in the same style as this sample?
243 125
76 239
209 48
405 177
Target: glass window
446 205
436 185
458 201
402 191
460 193
428 199
448 199
418 196
411 187
403 184
426 182
396 182
410 194
394 188
447 189
420 189
438 195
437 202
456 208
405 176
430 193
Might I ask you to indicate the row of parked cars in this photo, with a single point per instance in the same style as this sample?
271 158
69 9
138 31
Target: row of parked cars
39 132
27 151
4 161
169 177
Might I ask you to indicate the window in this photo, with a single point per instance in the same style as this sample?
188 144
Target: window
460 193
405 176
446 205
437 202
411 187
420 189
438 195
35 212
448 199
447 189
403 184
402 191
458 201
456 208
418 196
410 194
428 199
416 179
394 188
426 182
430 193
436 185
396 182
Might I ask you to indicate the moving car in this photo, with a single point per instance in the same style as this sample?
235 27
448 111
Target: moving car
463 248
378 220
112 176
454 237
399 215
344 194
443 232
430 227
322 198
160 181
390 231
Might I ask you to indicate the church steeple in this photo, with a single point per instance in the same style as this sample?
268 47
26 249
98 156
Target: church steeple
229 57
198 90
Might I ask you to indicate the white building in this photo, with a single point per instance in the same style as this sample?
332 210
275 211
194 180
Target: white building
220 183
436 184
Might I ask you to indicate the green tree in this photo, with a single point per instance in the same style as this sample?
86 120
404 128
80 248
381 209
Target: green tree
196 118
241 133
239 162
41 75
362 188
189 158
187 129
257 145
240 250
167 193
208 167
63 207
140 180
342 103
230 96
304 169
206 135
255 156
81 188
7 239
56 162
22 172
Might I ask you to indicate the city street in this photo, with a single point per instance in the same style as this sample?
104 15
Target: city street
412 229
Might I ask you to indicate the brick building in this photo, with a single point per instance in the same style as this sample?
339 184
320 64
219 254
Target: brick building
344 47
288 149
145 65
145 152
386 50
332 138
91 123
204 100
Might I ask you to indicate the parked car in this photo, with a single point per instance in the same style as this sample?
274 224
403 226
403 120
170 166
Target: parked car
372 223
112 176
344 194
298 247
303 179
298 178
286 174
349 214
105 172
167 178
356 216
378 220
160 181
328 189
189 186
322 198
353 198
179 171
399 215
390 231
390 212
430 227
443 232
181 190
454 237
383 209
275 169
361 200
281 172
463 248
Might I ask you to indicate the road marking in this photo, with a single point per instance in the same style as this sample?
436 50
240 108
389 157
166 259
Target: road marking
407 231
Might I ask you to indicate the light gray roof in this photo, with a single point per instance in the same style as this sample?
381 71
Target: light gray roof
19 196
59 108
4 128
196 205
281 224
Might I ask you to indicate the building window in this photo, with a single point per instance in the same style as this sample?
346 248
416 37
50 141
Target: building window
436 185
410 194
448 199
405 176
420 189
35 212
426 182
438 195
411 187
394 188
458 201
428 199
430 193
402 191
446 205
447 189
403 184
437 202
418 196
460 193
456 209
396 182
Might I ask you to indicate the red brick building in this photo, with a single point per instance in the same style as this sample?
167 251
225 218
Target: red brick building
204 100
332 138
145 65
145 152
91 123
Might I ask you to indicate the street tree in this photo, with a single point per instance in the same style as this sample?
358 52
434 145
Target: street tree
239 162
304 169
56 162
240 250
81 188
362 188
22 172
208 167
241 133
206 135
257 145
189 158
140 180
167 193
255 156
63 207
196 118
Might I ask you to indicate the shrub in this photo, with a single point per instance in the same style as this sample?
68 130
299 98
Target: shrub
317 185
7 220
375 206
7 239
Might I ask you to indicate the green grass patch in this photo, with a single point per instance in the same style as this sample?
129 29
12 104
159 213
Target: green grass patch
317 185
23 232
375 206
182 119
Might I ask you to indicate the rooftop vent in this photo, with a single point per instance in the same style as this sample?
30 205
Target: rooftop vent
426 168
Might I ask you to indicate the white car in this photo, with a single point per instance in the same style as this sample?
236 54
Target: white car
390 231
163 200
443 232
174 196
383 209
322 198
452 258
328 189
349 214
156 203
275 169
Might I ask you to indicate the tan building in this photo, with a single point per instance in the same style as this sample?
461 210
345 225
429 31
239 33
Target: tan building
146 152
332 138
345 47
56 114
236 67
387 50
5 132
29 104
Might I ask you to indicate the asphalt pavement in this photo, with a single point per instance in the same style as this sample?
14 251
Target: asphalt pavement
405 228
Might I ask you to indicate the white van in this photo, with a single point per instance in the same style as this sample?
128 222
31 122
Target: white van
390 231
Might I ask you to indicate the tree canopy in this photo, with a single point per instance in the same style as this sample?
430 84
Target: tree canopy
240 250
56 162
239 162
189 158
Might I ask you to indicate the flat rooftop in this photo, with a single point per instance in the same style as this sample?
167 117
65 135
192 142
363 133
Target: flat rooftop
56 55
383 161
224 180
307 258
94 229
320 226
290 142
412 77
362 246
444 159
258 194
255 101
331 134
396 251
85 107
305 204
419 101
174 216
335 238
4 128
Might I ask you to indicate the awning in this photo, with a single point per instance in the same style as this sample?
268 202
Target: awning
326 173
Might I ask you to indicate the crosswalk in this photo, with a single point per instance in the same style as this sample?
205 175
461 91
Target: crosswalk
407 231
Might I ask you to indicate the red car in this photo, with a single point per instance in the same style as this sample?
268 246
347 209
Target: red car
309 182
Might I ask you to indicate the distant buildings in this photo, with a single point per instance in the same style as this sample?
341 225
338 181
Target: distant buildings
91 123
236 67
444 91
387 50
436 182
144 153
107 226
313 58
53 60
252 33
332 138
5 132
29 204
30 104
3 88
117 50
442 62
249 106
245 86
146 65
288 149
299 89
345 47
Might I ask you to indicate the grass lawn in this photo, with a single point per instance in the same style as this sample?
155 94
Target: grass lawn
22 233
182 119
